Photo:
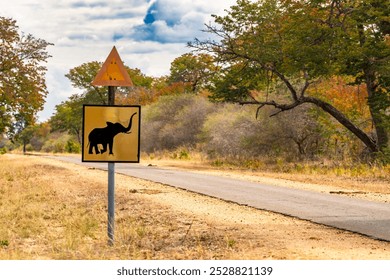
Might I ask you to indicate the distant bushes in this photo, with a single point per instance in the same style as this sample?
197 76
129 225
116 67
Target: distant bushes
174 121
188 124
226 130
62 143
55 142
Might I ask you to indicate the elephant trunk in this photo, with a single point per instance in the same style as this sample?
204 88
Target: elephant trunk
130 123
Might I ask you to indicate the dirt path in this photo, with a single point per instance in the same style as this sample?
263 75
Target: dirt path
185 225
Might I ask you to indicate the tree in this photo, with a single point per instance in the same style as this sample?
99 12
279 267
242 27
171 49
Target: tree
369 61
26 135
82 76
289 46
22 77
192 69
68 116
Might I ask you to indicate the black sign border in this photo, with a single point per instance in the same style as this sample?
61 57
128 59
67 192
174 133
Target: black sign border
139 134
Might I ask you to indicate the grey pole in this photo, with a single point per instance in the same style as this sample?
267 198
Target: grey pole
111 183
111 203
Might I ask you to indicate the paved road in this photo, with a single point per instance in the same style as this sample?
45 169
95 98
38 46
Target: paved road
364 217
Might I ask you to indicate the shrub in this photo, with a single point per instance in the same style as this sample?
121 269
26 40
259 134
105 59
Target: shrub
72 146
233 131
57 143
173 121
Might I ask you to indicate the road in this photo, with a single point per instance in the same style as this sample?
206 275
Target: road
365 217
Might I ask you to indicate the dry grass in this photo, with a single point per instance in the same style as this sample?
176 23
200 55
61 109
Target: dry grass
51 211
55 210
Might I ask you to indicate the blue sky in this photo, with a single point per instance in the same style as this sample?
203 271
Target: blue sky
149 34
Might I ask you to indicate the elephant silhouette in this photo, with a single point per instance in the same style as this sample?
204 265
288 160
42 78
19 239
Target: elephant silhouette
105 136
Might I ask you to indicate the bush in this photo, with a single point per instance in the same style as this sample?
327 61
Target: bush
72 147
183 154
59 143
229 131
234 131
173 121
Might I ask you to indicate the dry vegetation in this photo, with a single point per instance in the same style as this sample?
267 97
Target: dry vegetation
55 210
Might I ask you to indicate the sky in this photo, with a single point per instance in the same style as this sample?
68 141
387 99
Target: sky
148 34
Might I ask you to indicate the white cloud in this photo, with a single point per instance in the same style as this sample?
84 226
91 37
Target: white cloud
152 58
86 30
176 21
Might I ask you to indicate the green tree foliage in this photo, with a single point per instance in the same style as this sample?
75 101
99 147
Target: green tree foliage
289 46
233 84
82 76
22 77
68 116
31 138
26 135
140 79
193 70
40 135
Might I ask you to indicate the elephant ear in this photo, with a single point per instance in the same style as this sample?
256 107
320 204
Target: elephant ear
109 124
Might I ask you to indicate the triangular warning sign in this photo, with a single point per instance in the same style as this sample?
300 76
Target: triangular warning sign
113 72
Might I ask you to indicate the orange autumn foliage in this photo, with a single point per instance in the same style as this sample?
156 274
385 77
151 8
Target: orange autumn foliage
145 96
349 99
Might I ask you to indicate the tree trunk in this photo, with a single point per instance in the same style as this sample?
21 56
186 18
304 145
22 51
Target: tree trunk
381 132
374 104
370 143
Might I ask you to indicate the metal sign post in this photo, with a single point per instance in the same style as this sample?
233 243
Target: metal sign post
111 183
111 203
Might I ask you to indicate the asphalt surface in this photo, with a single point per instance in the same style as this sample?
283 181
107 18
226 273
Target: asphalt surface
364 217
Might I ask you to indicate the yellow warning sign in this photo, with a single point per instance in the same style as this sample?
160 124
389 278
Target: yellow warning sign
113 72
111 133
